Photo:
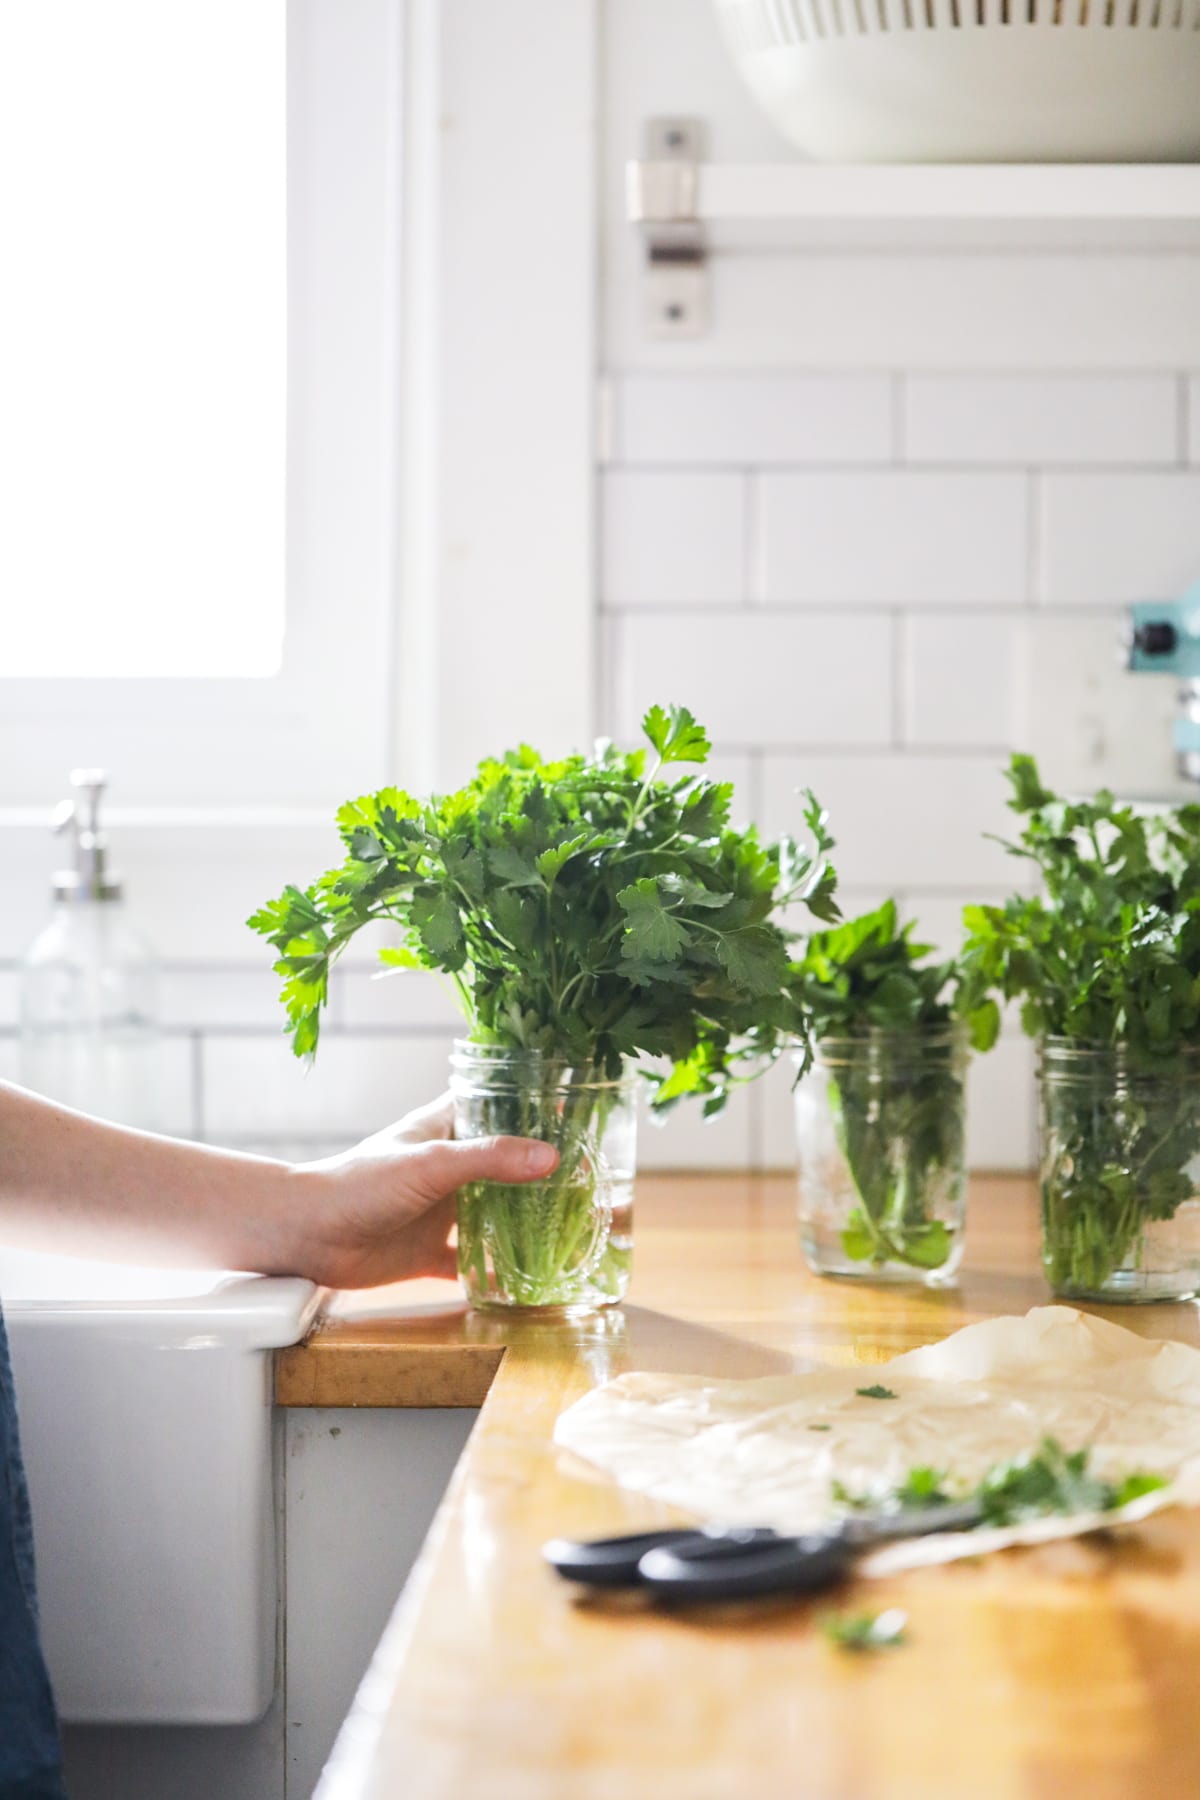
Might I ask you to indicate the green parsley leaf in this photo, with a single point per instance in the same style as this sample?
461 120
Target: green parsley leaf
1039 1482
676 735
866 1631
652 931
876 1392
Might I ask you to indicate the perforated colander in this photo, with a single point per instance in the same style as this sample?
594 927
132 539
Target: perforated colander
975 80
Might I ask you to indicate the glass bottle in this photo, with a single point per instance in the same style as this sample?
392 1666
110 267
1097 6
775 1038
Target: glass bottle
89 1034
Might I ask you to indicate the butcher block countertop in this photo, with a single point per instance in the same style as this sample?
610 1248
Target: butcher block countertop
1069 1670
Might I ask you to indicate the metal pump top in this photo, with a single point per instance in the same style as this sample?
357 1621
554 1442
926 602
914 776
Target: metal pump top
80 816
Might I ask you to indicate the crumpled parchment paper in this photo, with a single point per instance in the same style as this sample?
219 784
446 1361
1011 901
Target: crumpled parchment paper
745 1452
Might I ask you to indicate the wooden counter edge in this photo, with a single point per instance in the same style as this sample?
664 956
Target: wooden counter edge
325 1372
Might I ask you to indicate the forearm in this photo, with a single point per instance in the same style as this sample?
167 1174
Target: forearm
75 1184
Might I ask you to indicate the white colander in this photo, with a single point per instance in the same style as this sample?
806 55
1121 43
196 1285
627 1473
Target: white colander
975 80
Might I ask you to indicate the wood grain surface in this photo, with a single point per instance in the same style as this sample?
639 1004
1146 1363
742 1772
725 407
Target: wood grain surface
1072 1670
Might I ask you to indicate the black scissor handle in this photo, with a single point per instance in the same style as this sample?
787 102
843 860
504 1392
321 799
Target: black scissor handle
616 1561
609 1562
726 1569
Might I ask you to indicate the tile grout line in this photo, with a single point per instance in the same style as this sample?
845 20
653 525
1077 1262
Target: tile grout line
196 1054
1034 502
753 570
1183 420
899 418
901 696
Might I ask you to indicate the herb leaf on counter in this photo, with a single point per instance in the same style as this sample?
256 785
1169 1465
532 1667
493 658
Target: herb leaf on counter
1033 1485
866 1631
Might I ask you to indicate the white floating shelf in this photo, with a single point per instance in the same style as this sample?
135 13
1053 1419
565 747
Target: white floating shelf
772 205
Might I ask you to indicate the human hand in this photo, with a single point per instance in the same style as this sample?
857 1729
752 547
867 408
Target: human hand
383 1210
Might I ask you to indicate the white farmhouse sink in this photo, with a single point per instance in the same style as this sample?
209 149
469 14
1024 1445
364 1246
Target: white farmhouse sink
145 1402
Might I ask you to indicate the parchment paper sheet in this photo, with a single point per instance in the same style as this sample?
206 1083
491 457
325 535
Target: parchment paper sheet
745 1452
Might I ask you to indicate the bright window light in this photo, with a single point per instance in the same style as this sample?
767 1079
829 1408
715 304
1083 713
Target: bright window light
142 337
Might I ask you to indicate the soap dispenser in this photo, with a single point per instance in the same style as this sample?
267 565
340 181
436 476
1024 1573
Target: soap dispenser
89 1034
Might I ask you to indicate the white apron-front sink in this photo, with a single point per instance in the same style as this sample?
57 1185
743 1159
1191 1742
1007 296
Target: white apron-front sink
145 1404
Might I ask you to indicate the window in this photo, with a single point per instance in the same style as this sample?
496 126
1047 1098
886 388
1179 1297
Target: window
142 337
170 174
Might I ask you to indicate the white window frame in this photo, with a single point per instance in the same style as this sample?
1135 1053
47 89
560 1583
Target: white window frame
293 738
441 478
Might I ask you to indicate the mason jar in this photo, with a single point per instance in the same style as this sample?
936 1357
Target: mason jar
880 1139
1120 1171
565 1243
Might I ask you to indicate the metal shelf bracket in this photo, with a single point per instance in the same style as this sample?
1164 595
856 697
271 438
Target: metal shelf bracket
662 197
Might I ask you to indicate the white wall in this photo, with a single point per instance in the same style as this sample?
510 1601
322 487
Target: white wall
874 527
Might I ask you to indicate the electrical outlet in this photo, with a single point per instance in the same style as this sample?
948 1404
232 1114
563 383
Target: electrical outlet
1088 720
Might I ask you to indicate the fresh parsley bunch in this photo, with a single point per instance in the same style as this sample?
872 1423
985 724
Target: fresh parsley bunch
897 1103
1109 952
592 909
1106 957
586 911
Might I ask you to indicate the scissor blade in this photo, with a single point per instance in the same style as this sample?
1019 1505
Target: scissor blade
860 1530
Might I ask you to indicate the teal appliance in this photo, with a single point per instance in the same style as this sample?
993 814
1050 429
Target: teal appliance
1163 638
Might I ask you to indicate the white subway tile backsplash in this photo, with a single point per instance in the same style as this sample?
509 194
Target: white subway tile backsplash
1041 419
938 921
938 917
1114 538
885 526
758 419
398 999
685 1139
1001 1109
1089 722
989 309
961 673
901 821
757 677
773 1097
672 539
174 1101
215 995
1001 1131
255 1089
894 536
28 856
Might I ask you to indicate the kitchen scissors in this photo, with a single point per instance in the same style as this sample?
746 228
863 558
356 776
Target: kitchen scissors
735 1562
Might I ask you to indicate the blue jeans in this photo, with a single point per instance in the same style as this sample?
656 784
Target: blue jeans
30 1759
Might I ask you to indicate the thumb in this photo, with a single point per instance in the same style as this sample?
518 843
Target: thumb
443 1166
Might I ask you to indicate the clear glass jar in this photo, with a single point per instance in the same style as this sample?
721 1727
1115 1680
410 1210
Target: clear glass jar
565 1243
1120 1172
880 1136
